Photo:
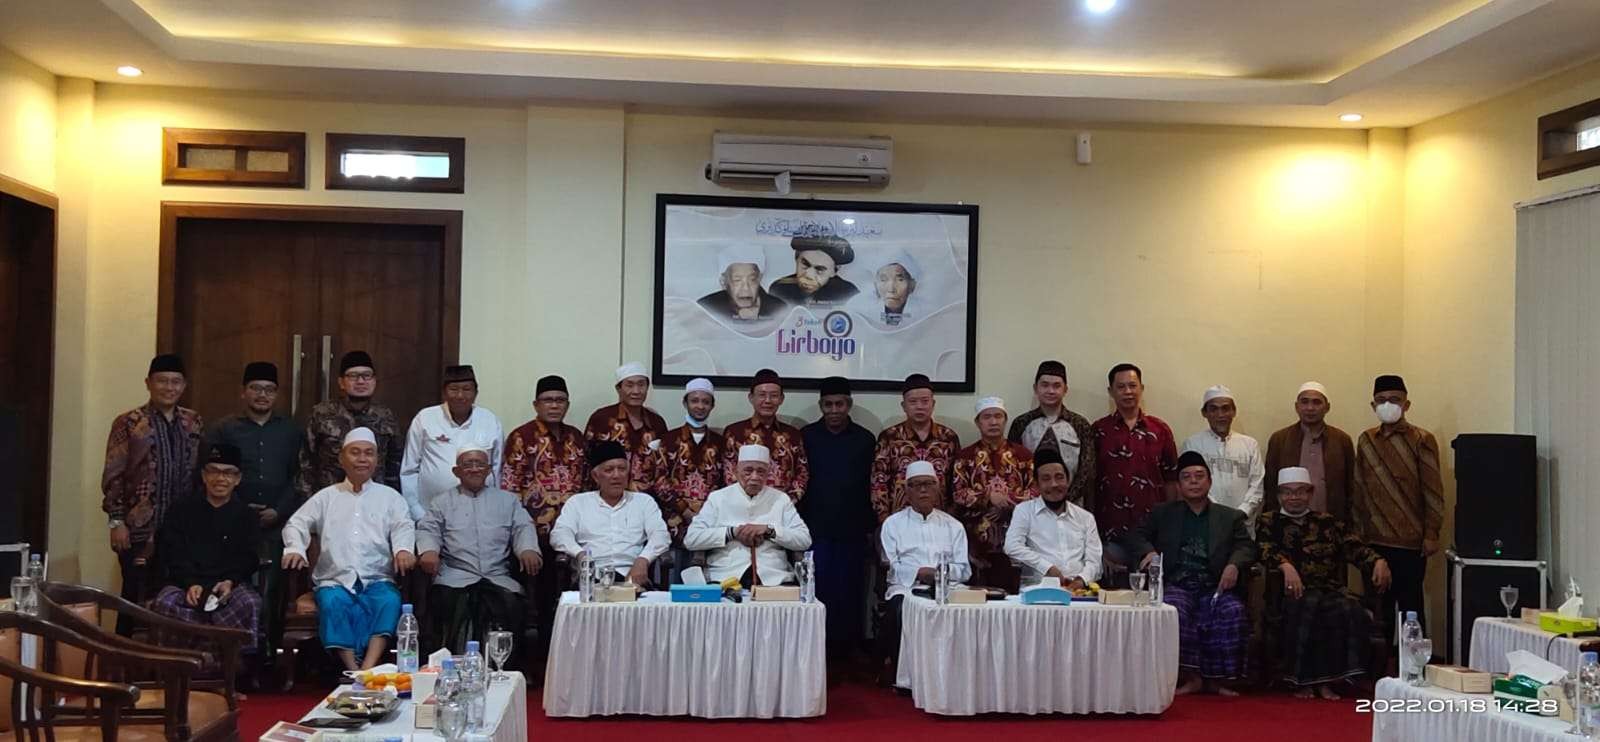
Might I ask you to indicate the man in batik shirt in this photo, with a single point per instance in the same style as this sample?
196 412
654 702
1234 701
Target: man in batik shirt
1322 632
637 427
1052 425
918 438
788 470
330 421
989 479
545 462
689 463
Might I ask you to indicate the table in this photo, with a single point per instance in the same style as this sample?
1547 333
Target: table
1006 657
1457 724
1493 637
711 660
506 716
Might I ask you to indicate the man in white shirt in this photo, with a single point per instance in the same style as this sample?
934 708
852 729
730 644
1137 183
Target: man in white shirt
1237 468
912 539
427 469
623 530
367 538
1051 537
748 515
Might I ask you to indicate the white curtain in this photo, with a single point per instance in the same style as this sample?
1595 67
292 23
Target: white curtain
1558 383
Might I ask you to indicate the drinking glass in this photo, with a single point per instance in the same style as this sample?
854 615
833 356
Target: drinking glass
23 597
1569 689
1421 651
608 577
499 652
1508 598
1138 581
452 721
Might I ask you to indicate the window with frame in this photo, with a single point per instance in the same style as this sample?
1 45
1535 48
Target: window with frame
384 162
1569 140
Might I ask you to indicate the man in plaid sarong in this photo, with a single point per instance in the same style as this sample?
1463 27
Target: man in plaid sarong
208 548
1204 550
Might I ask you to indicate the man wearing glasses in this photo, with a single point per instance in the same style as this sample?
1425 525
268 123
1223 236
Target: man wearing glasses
788 469
330 421
268 444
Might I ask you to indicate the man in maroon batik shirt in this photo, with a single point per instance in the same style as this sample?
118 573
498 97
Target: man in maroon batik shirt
1136 460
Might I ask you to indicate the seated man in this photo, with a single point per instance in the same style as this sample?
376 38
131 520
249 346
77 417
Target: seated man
208 547
1204 549
912 539
748 515
1051 537
367 537
1324 631
466 541
623 530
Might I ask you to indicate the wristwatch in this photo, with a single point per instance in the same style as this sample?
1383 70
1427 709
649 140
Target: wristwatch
114 523
772 532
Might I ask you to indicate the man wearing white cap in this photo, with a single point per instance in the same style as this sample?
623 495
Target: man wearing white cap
749 518
739 270
988 479
1318 633
689 464
637 427
914 539
1237 469
467 541
367 539
1327 452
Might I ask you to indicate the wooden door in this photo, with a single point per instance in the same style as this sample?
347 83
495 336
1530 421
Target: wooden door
27 348
249 282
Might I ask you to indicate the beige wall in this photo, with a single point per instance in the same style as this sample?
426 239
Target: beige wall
27 122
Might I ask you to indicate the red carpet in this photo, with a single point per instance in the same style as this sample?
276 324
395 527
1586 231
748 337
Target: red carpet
858 712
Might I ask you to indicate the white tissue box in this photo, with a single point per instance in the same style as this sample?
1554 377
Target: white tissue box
775 594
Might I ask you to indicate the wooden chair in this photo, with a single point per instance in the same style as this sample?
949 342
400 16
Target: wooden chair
299 615
196 706
1272 625
69 708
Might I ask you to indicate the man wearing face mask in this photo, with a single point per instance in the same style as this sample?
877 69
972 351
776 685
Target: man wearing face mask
1397 501
689 465
1321 631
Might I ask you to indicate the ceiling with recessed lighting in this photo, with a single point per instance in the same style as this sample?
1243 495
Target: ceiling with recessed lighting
1300 63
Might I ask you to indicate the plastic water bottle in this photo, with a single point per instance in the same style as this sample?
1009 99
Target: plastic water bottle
1587 712
941 582
585 569
1156 588
474 684
808 580
36 569
1410 631
448 686
406 640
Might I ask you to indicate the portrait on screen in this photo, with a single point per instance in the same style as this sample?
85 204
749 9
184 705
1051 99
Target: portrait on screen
870 291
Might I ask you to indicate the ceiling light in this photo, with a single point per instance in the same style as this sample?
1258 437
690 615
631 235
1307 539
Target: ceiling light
129 70
1350 118
1099 6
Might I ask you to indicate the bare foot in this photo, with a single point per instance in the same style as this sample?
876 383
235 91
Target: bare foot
1305 693
1326 691
1189 686
1222 690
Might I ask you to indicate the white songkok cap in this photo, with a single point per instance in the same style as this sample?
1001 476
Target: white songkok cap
1294 475
755 452
920 469
359 435
990 403
470 446
701 384
1217 392
904 260
1312 386
741 254
630 370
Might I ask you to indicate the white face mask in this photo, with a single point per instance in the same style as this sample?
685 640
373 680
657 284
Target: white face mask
693 423
1300 514
1389 413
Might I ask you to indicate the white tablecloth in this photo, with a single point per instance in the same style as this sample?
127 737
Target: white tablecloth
1007 657
1456 725
1493 637
506 716
659 658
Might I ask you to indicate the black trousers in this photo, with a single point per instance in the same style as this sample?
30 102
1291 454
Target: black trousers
1408 568
888 639
140 582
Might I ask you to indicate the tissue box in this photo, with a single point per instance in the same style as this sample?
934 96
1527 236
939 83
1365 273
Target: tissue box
1518 693
1460 679
1531 615
1048 596
968 597
617 594
775 594
284 731
1556 623
426 712
1116 597
696 593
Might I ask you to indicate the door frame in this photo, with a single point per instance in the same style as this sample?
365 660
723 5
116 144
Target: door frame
37 530
450 296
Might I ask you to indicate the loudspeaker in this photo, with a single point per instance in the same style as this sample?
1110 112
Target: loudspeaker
1496 496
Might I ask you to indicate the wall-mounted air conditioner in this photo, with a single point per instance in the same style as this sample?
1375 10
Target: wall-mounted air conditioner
754 158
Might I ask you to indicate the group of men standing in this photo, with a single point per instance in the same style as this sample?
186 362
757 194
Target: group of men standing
1052 495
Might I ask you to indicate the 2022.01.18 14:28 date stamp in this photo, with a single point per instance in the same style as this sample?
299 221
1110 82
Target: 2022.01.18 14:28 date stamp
1475 704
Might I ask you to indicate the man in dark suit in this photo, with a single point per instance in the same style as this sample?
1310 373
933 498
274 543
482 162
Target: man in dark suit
1204 549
